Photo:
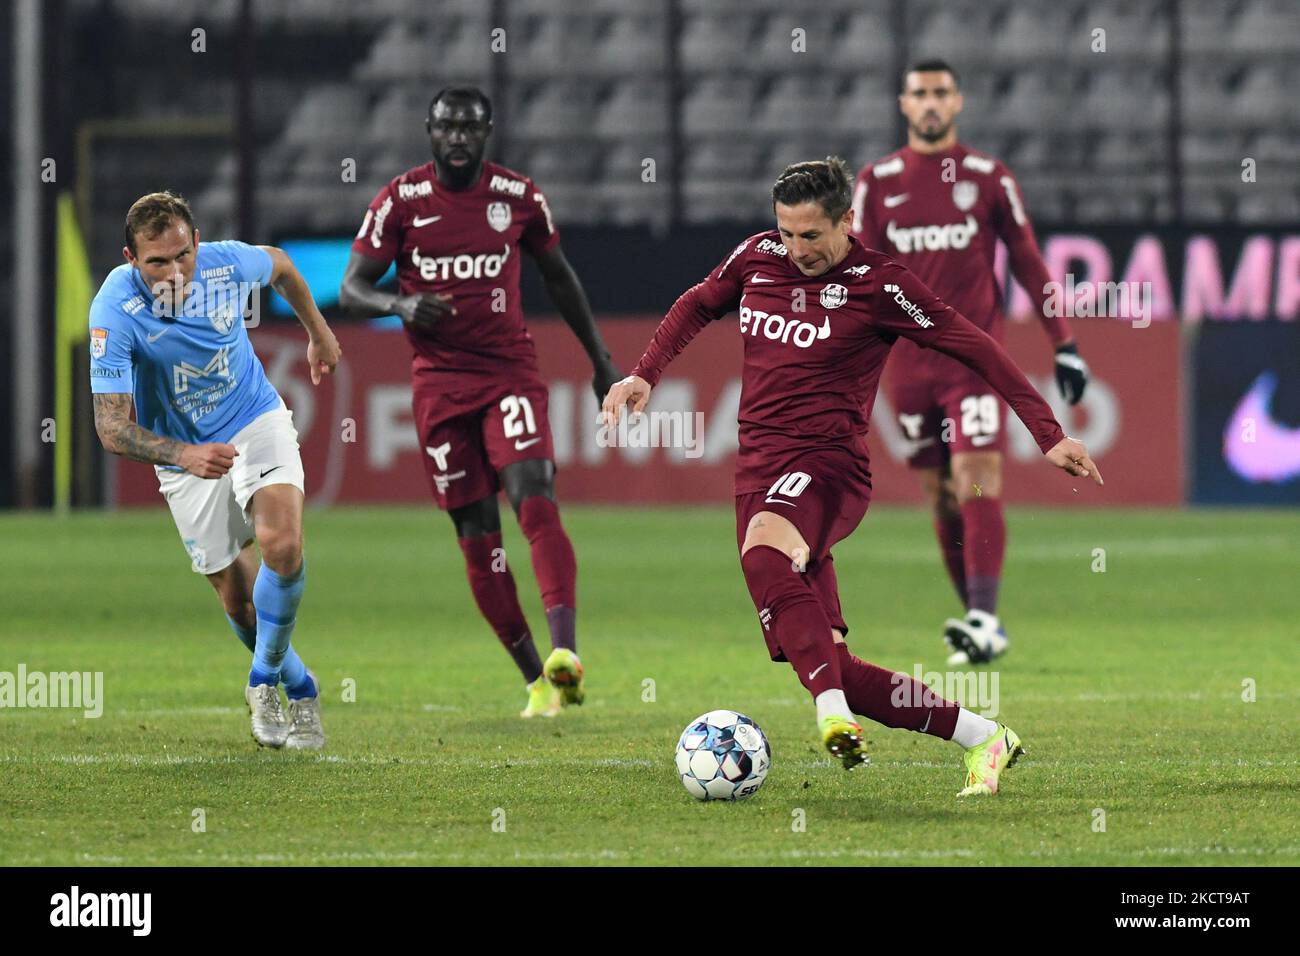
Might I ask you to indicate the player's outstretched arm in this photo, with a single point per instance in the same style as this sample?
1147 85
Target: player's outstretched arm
323 351
978 351
121 436
565 290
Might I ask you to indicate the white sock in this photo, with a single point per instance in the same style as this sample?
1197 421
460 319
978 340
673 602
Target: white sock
972 729
831 703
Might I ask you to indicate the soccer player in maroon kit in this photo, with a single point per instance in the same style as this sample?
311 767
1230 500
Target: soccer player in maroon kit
818 313
456 227
939 208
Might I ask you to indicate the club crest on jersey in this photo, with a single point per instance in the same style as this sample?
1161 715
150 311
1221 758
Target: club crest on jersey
498 216
964 194
223 317
834 295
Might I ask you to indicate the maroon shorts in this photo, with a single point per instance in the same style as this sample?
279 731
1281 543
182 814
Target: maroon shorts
825 497
959 413
464 455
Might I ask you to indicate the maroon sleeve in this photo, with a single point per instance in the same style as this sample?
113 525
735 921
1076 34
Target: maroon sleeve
540 234
1015 229
380 233
905 306
864 228
695 308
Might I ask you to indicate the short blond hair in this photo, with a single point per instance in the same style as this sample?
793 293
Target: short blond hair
151 214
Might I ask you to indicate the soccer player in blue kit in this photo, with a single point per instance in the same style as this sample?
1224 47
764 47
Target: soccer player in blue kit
167 329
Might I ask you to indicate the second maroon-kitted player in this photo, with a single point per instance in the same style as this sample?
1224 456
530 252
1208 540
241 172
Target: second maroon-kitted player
456 227
939 208
818 314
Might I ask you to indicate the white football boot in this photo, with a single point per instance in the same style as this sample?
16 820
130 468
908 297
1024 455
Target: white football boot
976 640
305 731
270 729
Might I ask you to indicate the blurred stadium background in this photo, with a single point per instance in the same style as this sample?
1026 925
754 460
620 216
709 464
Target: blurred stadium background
1161 149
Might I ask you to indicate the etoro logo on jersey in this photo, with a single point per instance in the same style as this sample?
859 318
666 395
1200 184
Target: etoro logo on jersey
464 266
780 329
954 235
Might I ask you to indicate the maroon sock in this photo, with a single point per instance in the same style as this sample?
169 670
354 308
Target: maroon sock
948 526
494 592
895 699
554 565
985 544
788 607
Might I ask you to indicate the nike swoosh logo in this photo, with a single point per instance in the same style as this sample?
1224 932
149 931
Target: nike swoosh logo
759 278
813 674
892 201
1274 453
417 222
979 440
269 470
157 335
926 725
778 501
521 445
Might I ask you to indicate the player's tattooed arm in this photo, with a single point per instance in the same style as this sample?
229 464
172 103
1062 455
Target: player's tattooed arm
121 436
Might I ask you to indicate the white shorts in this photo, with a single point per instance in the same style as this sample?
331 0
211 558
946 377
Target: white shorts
211 514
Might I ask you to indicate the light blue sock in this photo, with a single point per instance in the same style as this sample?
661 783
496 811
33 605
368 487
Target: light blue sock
276 600
293 672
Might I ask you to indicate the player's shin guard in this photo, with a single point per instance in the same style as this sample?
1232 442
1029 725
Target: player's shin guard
494 592
554 565
951 534
984 546
293 672
787 606
276 599
895 699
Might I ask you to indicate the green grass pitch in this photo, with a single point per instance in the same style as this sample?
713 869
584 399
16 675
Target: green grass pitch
1127 687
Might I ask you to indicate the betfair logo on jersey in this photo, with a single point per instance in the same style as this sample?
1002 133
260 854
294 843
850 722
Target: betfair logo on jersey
503 185
218 366
377 234
771 247
434 268
780 329
910 308
414 190
955 235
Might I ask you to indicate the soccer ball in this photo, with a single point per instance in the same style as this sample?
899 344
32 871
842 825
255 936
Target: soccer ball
723 755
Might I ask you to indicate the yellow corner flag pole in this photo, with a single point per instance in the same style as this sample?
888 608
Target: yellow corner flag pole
73 294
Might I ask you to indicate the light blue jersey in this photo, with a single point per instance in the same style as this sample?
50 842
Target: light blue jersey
195 377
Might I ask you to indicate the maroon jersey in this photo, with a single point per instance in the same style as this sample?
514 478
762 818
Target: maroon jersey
941 215
466 245
815 347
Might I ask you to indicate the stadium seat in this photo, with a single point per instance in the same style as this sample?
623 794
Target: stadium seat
797 103
635 108
861 41
867 106
557 109
720 104
710 43
629 44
